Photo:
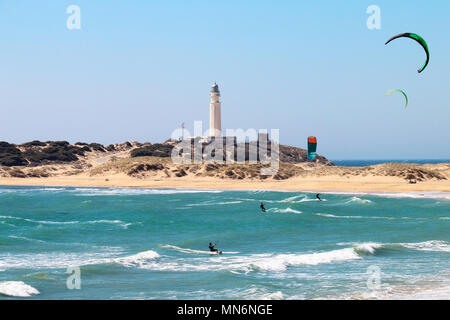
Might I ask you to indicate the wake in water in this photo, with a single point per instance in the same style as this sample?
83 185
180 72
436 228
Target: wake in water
287 210
193 251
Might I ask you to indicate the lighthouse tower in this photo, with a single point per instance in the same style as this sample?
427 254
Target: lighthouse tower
215 121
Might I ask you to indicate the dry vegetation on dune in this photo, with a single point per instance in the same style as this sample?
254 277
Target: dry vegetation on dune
404 171
142 163
148 167
155 167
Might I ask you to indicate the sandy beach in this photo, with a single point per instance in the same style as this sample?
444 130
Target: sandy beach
100 167
324 183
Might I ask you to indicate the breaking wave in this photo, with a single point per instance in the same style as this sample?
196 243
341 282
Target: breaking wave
257 262
138 259
134 191
17 289
367 248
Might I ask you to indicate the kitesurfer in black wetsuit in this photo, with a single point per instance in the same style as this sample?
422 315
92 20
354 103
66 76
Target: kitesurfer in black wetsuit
317 197
212 249
263 209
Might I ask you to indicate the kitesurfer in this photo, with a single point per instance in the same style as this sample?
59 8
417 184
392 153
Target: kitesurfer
211 247
263 209
317 197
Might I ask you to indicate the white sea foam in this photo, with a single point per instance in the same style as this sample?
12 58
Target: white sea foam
63 260
17 289
432 245
134 191
138 259
370 247
26 239
286 210
123 224
185 250
367 247
311 200
436 287
212 203
254 293
358 200
151 260
435 293
280 262
119 222
56 260
414 195
51 189
328 215
291 199
39 221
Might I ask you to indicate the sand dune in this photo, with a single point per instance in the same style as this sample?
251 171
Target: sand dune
121 171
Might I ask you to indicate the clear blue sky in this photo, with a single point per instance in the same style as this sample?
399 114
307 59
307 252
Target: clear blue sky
137 69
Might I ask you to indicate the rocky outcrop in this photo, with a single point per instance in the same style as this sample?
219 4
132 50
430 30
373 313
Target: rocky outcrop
290 154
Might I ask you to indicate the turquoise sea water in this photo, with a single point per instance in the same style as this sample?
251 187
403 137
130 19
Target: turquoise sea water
364 163
153 244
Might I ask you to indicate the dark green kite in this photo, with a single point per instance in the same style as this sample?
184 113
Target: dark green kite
420 40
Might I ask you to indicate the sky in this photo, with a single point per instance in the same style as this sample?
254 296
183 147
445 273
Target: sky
137 69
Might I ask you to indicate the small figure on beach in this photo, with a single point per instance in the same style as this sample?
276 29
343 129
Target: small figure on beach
317 197
263 209
212 249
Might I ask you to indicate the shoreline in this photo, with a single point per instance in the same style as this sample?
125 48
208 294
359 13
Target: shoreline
345 189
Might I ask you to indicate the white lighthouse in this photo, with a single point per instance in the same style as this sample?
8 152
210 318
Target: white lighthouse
215 121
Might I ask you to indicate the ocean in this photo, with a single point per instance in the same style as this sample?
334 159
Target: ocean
364 163
129 243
